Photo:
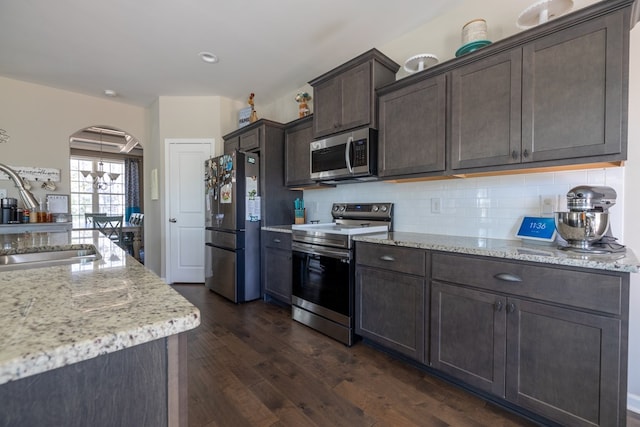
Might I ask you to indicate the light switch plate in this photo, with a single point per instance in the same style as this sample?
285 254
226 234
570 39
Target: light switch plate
3 193
435 205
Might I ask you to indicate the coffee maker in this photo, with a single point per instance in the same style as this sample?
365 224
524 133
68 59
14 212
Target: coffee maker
586 227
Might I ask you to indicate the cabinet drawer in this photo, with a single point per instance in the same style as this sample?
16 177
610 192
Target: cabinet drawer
274 239
572 287
404 260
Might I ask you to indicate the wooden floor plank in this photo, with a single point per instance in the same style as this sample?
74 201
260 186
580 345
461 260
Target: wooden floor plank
251 365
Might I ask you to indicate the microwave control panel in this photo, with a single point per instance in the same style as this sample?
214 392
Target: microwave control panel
359 153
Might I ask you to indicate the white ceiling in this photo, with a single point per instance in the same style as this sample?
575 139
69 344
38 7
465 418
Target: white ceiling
146 48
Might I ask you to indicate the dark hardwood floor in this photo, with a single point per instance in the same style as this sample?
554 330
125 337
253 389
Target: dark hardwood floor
251 365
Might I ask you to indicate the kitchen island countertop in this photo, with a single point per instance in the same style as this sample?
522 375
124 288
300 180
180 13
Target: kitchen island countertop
56 316
508 249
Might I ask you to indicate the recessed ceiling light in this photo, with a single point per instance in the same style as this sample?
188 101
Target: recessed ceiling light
208 57
110 93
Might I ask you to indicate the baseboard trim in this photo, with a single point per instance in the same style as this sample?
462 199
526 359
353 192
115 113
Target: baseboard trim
633 403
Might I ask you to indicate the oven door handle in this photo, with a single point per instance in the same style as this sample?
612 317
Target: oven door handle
347 154
320 250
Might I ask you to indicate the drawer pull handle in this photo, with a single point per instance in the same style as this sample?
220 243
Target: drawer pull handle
498 305
277 240
387 258
508 277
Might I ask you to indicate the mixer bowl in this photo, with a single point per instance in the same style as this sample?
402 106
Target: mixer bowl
582 228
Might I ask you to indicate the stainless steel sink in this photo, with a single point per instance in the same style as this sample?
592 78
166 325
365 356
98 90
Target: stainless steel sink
48 258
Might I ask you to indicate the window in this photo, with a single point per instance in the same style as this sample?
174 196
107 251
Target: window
89 198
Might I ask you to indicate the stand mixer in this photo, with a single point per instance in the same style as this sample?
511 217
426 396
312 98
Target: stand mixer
586 226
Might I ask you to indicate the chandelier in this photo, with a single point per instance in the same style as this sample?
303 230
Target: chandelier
98 177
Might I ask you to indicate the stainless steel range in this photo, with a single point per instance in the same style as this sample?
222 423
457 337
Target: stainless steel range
324 266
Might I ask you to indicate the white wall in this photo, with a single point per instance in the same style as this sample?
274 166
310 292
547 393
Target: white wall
40 120
476 207
180 117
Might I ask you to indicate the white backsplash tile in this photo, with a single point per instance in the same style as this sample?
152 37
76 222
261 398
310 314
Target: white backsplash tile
474 207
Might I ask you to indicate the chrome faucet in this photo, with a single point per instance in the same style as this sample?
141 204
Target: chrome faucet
29 200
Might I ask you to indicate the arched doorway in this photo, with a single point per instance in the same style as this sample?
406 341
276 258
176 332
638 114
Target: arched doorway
106 177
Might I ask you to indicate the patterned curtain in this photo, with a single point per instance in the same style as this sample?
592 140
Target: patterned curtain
131 186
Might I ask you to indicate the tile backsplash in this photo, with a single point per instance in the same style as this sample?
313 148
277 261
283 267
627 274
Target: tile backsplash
488 207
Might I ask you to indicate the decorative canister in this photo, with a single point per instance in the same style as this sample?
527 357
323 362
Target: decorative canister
474 30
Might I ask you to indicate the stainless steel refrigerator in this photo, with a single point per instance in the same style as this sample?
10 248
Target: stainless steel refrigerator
232 223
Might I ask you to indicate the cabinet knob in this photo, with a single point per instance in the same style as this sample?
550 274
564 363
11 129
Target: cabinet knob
498 305
511 307
514 155
525 153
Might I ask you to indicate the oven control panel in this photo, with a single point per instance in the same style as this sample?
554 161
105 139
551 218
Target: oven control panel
380 211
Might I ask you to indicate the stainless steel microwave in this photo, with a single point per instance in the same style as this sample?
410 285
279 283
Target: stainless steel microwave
349 155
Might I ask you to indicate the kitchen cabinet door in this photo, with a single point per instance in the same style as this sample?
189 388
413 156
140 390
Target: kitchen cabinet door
486 112
250 141
297 163
574 99
231 144
412 135
277 265
390 310
564 364
468 335
343 102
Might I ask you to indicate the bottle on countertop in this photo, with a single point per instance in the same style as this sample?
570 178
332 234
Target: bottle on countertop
33 215
41 213
48 213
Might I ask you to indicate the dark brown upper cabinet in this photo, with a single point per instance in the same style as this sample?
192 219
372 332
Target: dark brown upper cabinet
485 111
345 98
297 141
412 134
560 98
552 96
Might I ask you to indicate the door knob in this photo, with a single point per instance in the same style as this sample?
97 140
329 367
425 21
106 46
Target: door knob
172 220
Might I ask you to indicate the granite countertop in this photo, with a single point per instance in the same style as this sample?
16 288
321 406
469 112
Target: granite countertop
509 249
56 316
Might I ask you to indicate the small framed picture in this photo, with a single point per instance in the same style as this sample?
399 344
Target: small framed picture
244 117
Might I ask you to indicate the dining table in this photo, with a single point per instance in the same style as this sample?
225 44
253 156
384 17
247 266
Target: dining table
127 227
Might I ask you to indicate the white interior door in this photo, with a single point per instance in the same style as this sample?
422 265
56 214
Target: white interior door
185 209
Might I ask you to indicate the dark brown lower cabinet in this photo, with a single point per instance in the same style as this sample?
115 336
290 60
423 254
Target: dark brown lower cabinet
144 385
276 265
391 301
552 341
564 364
468 336
548 340
390 310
